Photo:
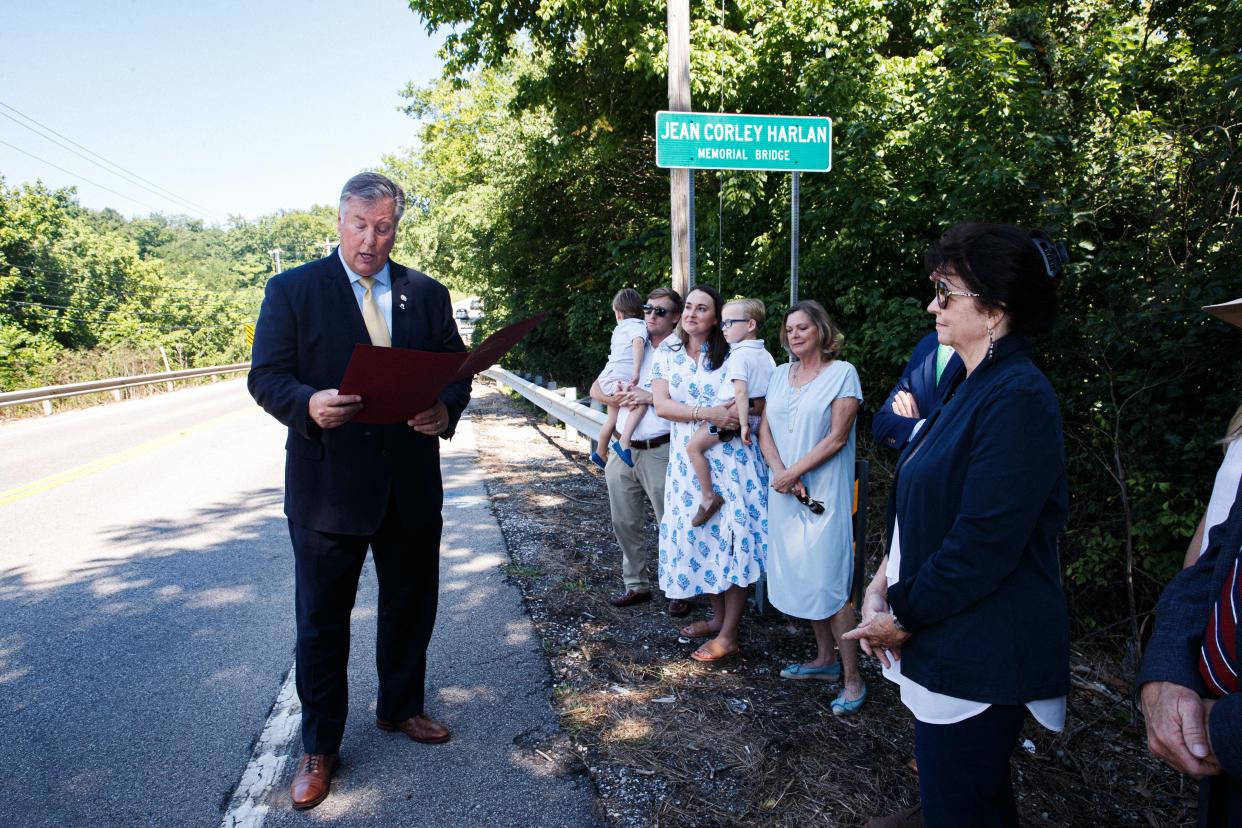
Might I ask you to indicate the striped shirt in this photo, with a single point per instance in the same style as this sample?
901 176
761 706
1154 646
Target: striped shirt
1218 657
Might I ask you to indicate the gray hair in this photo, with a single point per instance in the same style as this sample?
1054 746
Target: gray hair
370 187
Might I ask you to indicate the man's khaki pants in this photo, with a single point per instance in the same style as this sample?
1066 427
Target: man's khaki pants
629 492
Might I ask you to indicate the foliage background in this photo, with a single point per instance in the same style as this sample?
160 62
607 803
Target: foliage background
89 294
1111 124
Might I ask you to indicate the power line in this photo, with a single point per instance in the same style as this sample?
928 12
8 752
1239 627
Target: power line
167 192
127 179
82 177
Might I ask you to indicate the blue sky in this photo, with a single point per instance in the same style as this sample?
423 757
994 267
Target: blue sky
244 108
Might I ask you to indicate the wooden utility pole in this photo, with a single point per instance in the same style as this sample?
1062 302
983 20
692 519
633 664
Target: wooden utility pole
679 101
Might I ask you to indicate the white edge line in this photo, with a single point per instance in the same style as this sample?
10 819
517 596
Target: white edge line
249 805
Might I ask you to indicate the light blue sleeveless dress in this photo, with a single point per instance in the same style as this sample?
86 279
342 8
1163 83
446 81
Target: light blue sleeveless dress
810 557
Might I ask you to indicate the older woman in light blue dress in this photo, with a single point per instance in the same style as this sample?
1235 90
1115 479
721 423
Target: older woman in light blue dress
807 436
724 556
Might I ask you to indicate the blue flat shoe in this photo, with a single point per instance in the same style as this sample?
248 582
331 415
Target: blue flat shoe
828 672
843 707
623 453
599 461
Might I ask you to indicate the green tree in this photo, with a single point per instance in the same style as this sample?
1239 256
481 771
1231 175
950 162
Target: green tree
1114 128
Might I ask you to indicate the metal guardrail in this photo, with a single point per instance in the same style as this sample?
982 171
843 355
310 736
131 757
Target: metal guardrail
579 418
54 392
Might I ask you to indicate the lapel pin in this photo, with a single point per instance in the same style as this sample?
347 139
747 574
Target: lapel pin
402 306
403 299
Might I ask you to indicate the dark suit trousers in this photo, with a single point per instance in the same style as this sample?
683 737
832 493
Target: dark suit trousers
964 769
328 565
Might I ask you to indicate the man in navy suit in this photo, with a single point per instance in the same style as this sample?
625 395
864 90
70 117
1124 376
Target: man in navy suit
932 370
352 486
1194 718
1189 680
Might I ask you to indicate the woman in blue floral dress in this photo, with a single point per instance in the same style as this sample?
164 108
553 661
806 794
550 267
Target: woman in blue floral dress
724 556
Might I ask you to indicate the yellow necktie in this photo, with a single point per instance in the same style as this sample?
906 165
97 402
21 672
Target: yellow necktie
372 316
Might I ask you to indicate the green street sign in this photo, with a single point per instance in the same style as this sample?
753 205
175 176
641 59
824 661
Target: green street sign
707 141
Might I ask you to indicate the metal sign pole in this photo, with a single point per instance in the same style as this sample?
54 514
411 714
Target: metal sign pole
795 191
691 249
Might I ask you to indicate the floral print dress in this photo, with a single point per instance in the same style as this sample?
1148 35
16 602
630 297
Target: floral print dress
729 549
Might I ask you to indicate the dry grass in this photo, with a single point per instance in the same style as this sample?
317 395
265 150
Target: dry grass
671 742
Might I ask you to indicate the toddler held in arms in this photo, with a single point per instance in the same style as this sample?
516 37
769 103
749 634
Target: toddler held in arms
625 357
747 369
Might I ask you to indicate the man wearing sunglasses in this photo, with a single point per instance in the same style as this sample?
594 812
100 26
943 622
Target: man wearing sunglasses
631 489
931 371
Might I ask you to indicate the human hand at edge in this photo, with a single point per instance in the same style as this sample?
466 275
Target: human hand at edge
433 422
636 396
787 482
330 409
880 637
1176 720
723 417
904 405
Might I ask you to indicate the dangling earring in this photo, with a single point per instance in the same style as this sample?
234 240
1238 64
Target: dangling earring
991 343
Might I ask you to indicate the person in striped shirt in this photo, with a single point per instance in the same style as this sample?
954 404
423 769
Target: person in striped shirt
1189 680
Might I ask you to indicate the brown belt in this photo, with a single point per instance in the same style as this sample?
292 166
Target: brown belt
654 442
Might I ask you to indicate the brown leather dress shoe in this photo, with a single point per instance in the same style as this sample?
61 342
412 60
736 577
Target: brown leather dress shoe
313 780
419 728
678 608
630 598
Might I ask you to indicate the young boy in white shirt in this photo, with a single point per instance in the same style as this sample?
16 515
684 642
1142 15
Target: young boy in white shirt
625 358
747 370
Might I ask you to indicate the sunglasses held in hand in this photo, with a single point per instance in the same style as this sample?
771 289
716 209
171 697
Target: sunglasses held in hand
815 506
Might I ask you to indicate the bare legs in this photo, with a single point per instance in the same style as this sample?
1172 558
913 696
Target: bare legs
700 442
605 433
727 610
842 623
825 649
635 414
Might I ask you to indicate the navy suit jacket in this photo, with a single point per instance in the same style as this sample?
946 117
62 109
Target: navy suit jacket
919 378
981 493
342 479
1173 655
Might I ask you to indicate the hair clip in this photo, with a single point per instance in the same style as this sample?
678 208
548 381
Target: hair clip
1054 255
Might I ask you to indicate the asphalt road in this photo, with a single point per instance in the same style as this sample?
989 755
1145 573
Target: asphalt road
146 630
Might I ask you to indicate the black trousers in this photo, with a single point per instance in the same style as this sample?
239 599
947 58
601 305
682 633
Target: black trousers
964 769
407 567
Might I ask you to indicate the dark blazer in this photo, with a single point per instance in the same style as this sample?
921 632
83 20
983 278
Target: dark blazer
919 378
981 494
340 479
1173 655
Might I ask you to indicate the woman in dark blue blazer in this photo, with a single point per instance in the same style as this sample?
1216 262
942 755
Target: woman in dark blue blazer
966 611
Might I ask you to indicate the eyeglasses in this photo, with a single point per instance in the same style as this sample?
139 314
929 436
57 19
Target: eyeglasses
725 324
815 506
943 293
656 309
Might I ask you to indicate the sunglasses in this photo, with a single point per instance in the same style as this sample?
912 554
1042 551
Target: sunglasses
815 506
656 309
943 293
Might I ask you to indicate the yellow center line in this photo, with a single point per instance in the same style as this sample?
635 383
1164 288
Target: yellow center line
87 469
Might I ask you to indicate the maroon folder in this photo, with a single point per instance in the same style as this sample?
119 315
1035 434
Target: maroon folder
397 383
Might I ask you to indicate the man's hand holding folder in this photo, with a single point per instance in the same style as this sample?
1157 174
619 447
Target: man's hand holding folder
400 384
